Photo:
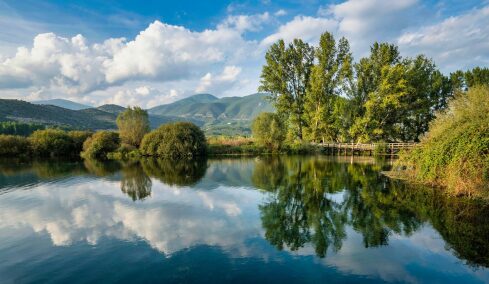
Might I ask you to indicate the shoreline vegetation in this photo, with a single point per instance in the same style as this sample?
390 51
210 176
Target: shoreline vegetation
320 95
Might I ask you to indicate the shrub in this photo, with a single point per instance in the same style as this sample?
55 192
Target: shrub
12 145
100 144
52 142
133 124
455 151
269 131
78 138
175 140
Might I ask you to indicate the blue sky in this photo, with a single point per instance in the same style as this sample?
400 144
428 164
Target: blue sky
154 52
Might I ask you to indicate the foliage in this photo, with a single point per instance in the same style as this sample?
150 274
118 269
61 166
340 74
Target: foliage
52 143
133 124
269 131
18 128
175 141
78 138
331 75
323 96
455 151
14 146
286 77
100 144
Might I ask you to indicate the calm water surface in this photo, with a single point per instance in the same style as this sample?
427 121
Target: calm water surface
282 219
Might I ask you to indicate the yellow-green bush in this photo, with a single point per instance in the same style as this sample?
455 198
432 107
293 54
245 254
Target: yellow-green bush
100 144
14 146
52 142
175 141
455 151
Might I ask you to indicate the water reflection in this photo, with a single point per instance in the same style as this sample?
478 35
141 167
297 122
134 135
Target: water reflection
343 211
305 208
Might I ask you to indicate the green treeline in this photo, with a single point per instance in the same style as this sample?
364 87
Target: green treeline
174 140
322 95
18 128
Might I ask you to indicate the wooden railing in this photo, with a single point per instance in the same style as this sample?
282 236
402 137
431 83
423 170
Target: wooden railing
390 148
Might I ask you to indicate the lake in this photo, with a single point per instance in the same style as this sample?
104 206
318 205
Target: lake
268 219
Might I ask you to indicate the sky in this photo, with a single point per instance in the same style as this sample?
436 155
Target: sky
148 53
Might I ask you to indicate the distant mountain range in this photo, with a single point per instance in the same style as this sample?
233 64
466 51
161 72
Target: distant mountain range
229 116
63 103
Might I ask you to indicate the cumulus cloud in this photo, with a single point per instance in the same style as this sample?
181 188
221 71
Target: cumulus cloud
307 28
456 43
160 53
223 81
366 21
243 23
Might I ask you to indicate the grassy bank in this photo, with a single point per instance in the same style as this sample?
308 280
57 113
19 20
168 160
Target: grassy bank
454 154
237 145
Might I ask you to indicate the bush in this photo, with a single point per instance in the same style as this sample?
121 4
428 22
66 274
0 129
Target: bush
52 143
175 140
269 131
11 145
455 151
78 138
100 144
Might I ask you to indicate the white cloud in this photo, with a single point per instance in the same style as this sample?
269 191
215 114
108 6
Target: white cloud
280 13
366 21
243 23
219 83
307 28
161 52
456 43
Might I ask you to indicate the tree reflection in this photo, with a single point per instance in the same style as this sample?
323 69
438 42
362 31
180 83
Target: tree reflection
135 183
299 210
302 208
171 172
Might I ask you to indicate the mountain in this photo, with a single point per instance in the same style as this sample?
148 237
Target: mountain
62 103
116 109
228 116
16 110
210 108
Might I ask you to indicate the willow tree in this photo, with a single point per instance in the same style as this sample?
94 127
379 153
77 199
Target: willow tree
330 77
133 124
285 76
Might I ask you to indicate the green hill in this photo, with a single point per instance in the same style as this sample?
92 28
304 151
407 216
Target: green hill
21 111
62 103
228 116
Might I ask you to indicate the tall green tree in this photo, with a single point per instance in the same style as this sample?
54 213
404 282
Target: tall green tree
285 76
269 131
133 124
332 71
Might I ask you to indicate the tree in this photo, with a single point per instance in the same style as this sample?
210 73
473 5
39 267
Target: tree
269 131
175 141
133 124
286 77
383 107
100 144
52 142
329 79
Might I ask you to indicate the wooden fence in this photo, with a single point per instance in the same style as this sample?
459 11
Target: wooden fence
370 148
